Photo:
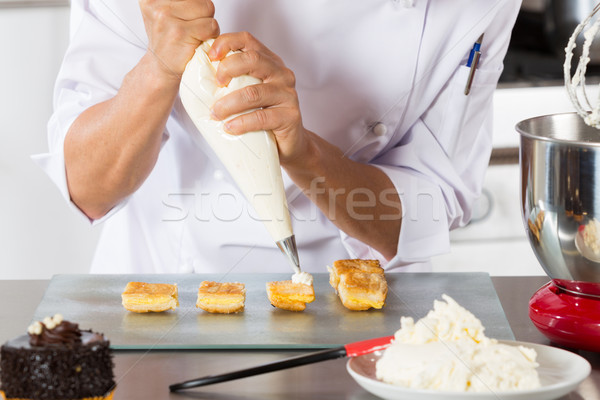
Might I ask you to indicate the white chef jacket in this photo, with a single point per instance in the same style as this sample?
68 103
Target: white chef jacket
382 80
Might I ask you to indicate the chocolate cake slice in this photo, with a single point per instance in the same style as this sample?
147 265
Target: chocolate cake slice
56 360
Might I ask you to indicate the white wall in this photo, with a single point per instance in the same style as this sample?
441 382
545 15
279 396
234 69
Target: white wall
39 235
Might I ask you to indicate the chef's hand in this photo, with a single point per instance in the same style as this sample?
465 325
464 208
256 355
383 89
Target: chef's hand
275 101
175 28
316 166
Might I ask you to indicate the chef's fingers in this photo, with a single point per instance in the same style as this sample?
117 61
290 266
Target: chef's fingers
174 44
170 30
242 41
253 97
189 10
200 30
254 63
173 40
186 10
178 21
276 119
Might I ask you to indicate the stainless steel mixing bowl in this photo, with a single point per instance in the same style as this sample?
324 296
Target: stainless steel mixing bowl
560 198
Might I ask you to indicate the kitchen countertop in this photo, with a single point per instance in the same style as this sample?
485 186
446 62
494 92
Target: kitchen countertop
147 374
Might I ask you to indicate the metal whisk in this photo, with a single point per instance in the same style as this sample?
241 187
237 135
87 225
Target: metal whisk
576 84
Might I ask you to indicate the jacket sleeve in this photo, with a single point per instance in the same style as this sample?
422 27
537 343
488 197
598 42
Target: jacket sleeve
102 49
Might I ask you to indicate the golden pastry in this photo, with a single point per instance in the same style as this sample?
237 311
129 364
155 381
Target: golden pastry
221 298
144 297
341 267
360 284
290 296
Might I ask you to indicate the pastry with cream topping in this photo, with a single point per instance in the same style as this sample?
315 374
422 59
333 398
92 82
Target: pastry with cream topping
56 360
447 350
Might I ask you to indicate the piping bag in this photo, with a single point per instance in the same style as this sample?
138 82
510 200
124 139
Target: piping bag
251 159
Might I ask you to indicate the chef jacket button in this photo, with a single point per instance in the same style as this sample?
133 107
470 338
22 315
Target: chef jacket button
218 175
379 129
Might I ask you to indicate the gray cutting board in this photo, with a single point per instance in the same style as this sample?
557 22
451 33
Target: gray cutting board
94 301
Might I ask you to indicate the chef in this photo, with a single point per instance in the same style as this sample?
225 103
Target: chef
382 152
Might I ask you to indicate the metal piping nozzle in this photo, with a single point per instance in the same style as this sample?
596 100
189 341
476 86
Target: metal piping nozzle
288 247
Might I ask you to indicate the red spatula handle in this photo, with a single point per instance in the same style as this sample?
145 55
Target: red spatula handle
367 346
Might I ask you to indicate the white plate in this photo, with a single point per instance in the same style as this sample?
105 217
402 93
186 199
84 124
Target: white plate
560 372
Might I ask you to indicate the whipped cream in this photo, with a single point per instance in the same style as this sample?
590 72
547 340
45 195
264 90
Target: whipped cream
448 321
302 277
591 116
447 350
252 158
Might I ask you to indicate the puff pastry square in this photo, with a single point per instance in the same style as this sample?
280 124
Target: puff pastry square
360 284
221 297
290 296
141 297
